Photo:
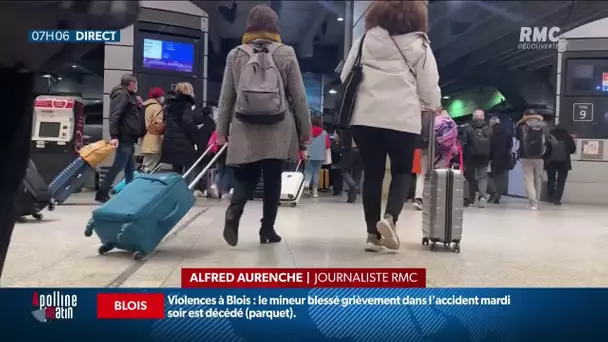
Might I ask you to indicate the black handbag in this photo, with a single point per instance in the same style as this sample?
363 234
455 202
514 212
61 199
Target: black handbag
349 93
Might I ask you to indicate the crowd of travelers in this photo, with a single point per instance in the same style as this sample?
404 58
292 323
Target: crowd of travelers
397 101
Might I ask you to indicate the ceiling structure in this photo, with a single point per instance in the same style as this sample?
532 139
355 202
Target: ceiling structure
303 23
473 38
475 42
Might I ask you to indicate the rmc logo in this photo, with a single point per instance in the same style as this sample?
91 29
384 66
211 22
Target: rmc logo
538 38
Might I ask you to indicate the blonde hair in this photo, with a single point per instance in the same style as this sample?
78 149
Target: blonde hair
184 88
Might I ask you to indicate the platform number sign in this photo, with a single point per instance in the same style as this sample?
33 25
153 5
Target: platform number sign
582 112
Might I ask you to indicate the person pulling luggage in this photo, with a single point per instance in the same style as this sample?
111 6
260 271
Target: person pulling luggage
260 126
126 128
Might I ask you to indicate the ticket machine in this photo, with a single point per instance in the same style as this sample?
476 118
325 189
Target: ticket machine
57 133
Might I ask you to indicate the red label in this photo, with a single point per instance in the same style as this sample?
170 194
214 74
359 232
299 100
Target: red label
54 103
130 306
304 278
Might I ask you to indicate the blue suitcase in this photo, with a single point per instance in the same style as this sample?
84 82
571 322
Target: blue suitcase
143 213
118 187
68 180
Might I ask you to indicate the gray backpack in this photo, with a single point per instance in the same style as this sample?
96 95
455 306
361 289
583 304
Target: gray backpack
260 94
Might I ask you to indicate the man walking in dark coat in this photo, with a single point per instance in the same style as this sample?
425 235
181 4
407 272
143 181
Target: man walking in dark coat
126 127
502 159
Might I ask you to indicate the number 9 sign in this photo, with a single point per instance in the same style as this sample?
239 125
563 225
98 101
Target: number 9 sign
582 112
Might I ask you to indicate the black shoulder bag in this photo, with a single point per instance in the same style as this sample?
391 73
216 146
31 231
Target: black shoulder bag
349 94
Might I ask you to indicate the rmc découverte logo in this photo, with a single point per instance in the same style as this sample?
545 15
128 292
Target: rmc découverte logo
538 38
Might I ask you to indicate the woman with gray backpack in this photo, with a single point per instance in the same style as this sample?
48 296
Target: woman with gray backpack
262 83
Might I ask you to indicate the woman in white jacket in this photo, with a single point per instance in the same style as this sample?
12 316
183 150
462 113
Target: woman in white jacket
400 81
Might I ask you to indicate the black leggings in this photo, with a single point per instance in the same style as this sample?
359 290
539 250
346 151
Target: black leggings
246 177
375 144
557 174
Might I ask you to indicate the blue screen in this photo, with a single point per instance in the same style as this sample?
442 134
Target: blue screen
168 55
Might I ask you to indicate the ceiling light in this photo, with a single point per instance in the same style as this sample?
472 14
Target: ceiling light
46 76
74 66
333 92
340 19
446 97
59 78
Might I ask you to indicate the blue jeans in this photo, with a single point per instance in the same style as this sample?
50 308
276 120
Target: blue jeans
224 178
122 160
311 173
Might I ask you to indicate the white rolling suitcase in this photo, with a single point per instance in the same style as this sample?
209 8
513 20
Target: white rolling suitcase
292 186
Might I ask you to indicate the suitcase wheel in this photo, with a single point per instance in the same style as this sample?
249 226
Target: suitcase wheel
138 256
103 249
88 230
425 241
21 219
38 217
293 204
456 248
52 206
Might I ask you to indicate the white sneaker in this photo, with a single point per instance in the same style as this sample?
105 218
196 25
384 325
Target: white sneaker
315 193
198 193
227 196
373 244
386 227
213 191
482 202
534 207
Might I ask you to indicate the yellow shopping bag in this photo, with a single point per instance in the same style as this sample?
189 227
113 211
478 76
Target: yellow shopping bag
95 153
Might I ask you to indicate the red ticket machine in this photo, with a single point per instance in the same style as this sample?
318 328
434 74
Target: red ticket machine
57 133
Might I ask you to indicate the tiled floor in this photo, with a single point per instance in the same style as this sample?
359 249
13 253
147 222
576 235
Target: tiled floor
504 245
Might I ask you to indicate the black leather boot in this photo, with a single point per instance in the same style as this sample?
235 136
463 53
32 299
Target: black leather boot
268 234
231 225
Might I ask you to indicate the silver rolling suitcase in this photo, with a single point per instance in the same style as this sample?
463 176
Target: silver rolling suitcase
443 208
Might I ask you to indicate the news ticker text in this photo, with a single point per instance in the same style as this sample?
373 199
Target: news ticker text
240 306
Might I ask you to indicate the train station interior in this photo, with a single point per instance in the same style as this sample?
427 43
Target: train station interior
503 57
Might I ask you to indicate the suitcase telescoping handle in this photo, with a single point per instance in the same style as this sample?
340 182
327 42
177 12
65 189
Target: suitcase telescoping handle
200 175
198 161
431 149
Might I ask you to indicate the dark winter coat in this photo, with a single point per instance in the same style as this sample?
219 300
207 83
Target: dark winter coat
126 121
468 134
180 131
561 134
501 143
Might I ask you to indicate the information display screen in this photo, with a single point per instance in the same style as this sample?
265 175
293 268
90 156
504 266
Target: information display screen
587 76
168 55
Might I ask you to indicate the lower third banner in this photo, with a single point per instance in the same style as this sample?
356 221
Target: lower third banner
337 314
